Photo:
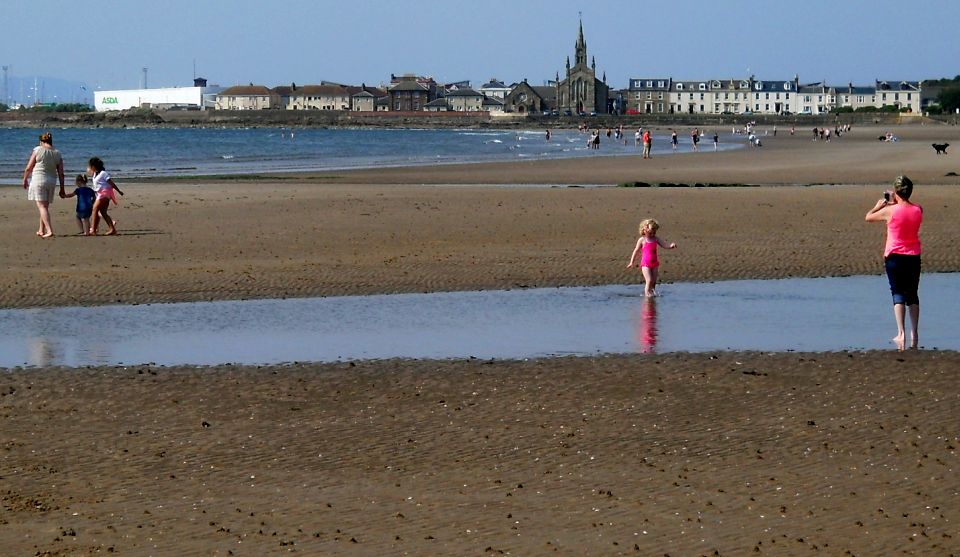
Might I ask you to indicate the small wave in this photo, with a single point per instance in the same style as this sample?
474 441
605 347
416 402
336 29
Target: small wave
493 141
226 157
483 134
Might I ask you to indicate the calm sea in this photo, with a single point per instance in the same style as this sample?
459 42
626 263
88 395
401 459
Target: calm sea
133 153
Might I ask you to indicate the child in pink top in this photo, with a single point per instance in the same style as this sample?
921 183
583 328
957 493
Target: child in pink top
649 258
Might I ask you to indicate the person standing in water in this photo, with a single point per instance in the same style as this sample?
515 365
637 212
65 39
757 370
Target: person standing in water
647 143
673 139
646 248
901 255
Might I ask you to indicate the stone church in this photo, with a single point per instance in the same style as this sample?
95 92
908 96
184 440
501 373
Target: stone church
581 91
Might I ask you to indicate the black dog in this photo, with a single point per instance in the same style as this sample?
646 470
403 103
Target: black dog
941 148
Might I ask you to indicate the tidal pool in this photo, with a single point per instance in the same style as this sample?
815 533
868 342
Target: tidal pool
813 315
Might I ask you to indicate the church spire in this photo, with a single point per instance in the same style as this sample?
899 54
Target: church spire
581 46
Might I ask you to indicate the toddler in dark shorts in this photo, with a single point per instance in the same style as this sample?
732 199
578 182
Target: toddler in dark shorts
85 198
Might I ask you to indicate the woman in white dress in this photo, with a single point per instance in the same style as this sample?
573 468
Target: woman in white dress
40 177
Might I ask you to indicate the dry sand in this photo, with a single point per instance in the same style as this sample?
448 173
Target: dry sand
729 454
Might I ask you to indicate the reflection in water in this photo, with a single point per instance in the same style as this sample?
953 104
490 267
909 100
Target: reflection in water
647 327
42 352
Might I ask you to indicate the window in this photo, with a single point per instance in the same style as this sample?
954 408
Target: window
679 86
691 96
896 96
649 84
757 96
786 96
767 96
778 96
659 107
786 86
660 84
649 95
701 108
757 107
702 87
806 98
767 108
701 96
758 86
660 97
884 96
909 96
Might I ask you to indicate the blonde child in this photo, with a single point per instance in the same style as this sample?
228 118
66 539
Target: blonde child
647 250
85 198
105 187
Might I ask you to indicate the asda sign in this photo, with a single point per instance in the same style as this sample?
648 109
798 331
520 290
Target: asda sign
110 100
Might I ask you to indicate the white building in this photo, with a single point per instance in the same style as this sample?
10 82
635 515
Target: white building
167 97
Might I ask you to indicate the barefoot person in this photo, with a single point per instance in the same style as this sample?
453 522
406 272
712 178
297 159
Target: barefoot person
902 255
647 250
107 191
40 177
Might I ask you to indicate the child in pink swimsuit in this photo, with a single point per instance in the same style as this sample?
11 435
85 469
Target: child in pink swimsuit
646 248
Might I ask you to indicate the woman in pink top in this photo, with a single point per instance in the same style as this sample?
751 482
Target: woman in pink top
902 254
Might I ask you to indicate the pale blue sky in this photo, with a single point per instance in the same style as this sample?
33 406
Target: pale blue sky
106 42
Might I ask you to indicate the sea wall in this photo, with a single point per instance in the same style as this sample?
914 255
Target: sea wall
346 119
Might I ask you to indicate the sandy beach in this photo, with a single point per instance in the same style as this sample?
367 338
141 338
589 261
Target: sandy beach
728 454
705 454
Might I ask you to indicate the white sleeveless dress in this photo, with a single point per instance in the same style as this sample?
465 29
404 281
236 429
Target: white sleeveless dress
44 180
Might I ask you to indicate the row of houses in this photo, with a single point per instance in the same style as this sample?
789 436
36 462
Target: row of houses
751 95
405 93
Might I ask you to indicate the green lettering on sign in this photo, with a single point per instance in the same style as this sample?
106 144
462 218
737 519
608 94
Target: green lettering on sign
110 100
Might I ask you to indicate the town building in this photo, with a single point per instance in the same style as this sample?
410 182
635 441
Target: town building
815 98
648 96
437 105
495 89
580 91
905 95
492 105
525 98
690 97
464 100
410 93
247 97
772 97
198 97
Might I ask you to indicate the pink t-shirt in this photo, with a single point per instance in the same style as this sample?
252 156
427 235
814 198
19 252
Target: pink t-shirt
903 230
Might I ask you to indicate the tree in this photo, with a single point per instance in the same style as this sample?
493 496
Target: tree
4 108
949 99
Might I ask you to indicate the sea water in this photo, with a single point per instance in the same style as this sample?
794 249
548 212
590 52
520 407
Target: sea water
812 315
148 152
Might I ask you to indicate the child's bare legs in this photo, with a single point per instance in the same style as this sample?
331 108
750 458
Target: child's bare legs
650 276
46 230
100 207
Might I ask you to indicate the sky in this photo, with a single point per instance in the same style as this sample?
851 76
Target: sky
105 43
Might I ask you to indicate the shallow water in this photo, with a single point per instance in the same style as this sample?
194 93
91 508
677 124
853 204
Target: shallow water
826 314
132 153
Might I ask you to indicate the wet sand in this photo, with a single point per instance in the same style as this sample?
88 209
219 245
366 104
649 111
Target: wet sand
729 454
